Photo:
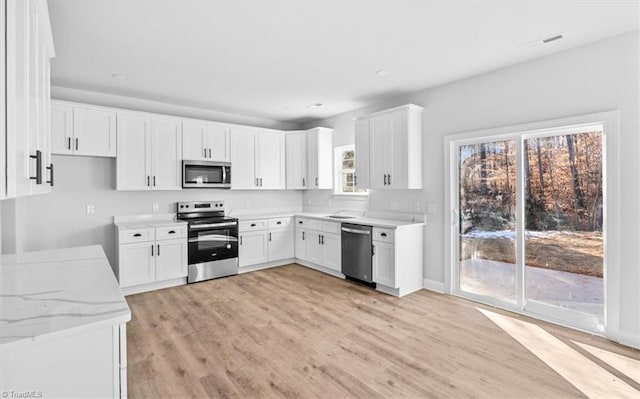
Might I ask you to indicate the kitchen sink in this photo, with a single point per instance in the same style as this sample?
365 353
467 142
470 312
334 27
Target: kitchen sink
340 217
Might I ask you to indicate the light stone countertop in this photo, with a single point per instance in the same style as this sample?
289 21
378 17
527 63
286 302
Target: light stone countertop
363 220
59 291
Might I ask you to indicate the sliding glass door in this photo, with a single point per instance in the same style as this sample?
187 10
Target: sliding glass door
529 223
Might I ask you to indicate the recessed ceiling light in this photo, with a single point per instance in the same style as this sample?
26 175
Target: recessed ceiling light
382 72
120 76
541 42
285 107
316 105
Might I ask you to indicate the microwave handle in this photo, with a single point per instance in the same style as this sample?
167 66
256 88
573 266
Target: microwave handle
224 174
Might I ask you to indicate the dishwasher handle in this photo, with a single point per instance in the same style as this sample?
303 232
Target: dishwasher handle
363 232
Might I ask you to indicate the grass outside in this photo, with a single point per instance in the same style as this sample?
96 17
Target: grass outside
574 252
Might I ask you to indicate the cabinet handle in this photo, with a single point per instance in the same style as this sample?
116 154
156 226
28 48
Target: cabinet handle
279 222
38 158
373 250
158 249
205 152
77 144
383 234
304 236
69 143
137 235
154 181
303 182
240 240
261 182
256 182
209 152
151 249
319 242
322 239
355 180
50 168
172 232
300 222
389 179
269 236
385 180
253 225
316 182
148 181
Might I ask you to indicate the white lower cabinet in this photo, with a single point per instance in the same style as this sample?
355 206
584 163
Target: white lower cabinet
146 256
384 264
319 243
265 240
398 259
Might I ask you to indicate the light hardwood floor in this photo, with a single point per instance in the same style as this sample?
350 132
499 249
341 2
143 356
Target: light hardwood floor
294 332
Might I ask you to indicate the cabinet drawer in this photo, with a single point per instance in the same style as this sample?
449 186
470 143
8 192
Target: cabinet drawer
252 225
136 235
313 224
384 235
279 223
331 227
171 232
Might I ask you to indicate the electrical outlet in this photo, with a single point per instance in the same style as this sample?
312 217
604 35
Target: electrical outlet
155 207
91 209
432 207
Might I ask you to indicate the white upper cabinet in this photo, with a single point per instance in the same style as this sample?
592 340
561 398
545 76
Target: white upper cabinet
149 152
296 160
205 141
26 99
319 158
82 130
257 158
309 159
392 141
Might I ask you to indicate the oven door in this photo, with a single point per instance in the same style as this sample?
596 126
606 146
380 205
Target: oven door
206 174
211 242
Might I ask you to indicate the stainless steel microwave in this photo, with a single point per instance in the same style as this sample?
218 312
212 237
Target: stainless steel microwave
206 174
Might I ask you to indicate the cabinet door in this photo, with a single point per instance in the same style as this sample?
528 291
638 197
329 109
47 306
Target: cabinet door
301 244
384 265
381 150
136 264
61 129
312 159
94 132
134 152
217 143
166 154
296 163
362 148
271 162
397 166
280 244
194 137
332 251
243 158
171 259
315 251
253 248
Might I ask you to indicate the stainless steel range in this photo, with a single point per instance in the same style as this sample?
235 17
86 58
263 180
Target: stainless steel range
213 240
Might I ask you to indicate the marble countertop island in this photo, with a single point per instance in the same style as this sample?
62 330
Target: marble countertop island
49 293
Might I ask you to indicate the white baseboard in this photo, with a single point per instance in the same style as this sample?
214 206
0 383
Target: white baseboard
629 338
136 289
268 265
433 285
319 268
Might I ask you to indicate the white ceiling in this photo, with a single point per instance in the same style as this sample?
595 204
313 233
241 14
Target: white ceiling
274 58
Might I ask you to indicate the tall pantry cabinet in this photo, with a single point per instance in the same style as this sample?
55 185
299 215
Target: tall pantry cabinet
26 98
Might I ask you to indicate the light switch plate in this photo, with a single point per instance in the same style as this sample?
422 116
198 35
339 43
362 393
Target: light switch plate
91 209
155 207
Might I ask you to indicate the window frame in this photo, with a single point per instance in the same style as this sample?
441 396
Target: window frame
338 171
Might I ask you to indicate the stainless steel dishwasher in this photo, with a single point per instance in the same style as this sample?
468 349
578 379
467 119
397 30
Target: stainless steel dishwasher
357 252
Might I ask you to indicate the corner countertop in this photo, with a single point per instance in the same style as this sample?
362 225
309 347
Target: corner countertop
47 293
146 221
368 221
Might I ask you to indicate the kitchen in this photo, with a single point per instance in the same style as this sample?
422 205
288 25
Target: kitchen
122 158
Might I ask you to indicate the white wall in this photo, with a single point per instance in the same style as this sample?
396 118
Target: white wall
597 77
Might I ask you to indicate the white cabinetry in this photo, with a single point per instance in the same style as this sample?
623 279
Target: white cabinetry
205 141
78 129
319 243
149 153
265 240
388 147
398 259
26 162
151 254
257 159
309 159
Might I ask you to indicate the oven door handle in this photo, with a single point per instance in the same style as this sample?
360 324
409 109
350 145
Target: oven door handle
207 226
205 239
